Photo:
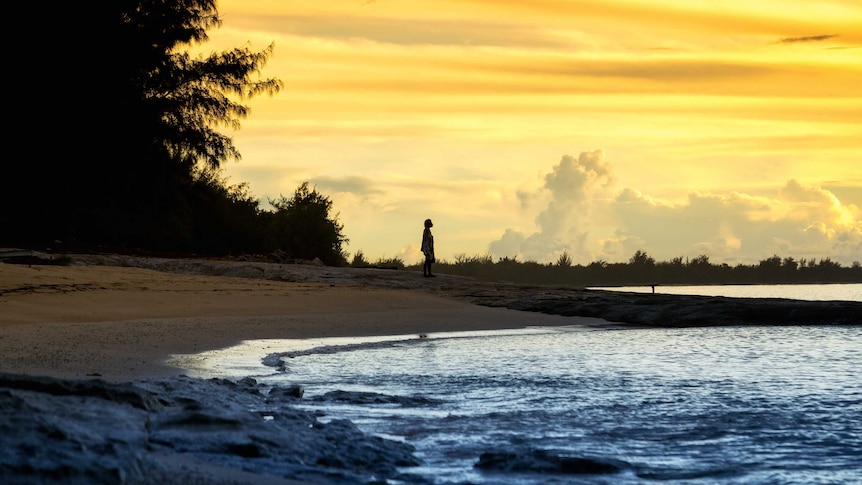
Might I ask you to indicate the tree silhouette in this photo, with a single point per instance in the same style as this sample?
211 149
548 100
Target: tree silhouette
564 261
127 130
303 227
641 258
642 269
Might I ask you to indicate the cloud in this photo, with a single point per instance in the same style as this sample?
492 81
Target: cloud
411 30
509 244
810 38
355 195
799 221
358 185
795 220
572 186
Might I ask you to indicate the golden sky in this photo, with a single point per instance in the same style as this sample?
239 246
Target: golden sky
528 128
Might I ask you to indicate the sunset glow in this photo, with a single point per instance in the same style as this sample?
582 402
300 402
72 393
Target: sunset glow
529 128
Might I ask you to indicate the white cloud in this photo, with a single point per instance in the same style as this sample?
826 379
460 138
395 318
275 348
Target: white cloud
800 221
572 186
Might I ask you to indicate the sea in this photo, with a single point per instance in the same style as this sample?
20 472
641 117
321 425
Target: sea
575 405
811 292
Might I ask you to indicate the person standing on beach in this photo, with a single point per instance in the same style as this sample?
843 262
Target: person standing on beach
428 249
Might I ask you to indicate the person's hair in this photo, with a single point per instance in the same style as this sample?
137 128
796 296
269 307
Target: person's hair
428 223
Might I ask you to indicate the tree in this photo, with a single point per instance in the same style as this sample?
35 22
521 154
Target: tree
564 261
701 261
186 99
642 259
790 265
642 268
303 227
770 264
126 130
359 260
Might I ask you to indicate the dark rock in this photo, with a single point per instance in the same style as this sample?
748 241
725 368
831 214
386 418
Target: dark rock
68 438
541 461
120 393
83 432
295 391
676 310
375 398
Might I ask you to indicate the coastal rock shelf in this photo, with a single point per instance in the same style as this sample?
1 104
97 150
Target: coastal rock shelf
179 431
630 308
686 310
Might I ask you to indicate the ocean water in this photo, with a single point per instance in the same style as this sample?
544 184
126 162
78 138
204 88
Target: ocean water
837 291
762 405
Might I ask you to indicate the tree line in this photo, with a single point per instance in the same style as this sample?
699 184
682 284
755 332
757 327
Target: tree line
116 142
643 269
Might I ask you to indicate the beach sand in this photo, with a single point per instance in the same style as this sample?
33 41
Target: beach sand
121 323
120 317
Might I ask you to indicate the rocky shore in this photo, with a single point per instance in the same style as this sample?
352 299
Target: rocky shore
180 431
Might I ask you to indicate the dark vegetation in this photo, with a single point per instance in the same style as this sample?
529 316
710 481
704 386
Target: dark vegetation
117 144
642 269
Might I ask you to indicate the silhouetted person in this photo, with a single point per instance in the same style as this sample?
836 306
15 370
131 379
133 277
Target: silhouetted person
427 249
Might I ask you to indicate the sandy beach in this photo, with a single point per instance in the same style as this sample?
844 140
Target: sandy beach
121 323
119 317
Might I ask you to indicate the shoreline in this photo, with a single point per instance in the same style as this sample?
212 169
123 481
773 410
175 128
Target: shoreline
120 317
122 323
85 352
84 365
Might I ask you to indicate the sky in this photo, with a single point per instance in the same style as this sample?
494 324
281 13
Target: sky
528 129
